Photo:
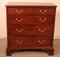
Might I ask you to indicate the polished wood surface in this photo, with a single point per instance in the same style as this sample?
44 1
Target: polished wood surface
30 20
30 30
34 42
31 11
29 4
30 27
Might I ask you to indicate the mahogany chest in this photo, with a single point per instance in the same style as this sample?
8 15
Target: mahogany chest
30 26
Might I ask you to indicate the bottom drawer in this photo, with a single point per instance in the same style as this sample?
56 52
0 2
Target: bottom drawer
42 42
30 42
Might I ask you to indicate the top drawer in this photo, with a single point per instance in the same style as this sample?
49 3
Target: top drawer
44 11
19 11
31 11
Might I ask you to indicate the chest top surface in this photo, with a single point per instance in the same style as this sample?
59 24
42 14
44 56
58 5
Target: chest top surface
29 4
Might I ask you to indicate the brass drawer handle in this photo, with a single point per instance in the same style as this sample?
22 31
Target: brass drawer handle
40 10
41 42
43 12
42 20
42 30
19 20
19 30
19 11
19 42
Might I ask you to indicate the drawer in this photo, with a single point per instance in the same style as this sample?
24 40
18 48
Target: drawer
19 42
19 11
42 42
20 20
30 42
43 20
44 11
30 30
31 11
34 20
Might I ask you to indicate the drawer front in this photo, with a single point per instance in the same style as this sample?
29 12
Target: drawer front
30 30
32 11
20 20
42 42
19 11
19 42
35 20
44 11
43 20
30 42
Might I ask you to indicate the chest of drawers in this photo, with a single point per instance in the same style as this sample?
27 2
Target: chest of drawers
30 26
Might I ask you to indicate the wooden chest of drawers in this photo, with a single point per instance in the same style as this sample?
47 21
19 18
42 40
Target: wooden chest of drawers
30 26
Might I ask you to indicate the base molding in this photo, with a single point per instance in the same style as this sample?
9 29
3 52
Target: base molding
49 50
